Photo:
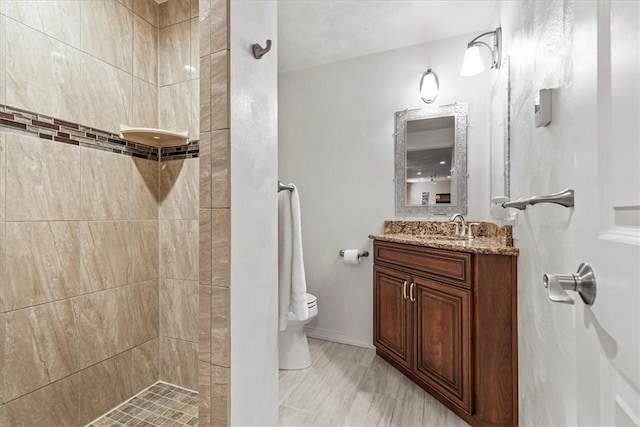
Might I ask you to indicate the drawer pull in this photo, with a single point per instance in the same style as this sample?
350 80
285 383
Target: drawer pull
404 289
412 297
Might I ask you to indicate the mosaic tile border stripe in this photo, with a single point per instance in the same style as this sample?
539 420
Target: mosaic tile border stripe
57 130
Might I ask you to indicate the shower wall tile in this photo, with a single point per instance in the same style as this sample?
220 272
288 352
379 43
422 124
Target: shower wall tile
143 250
59 19
2 365
204 335
53 405
205 246
105 320
219 25
105 261
220 310
145 104
3 170
3 248
195 5
220 225
195 49
144 306
194 109
147 9
3 58
107 94
173 107
174 11
145 189
145 50
55 92
43 263
204 394
220 159
41 346
146 364
219 395
127 3
107 32
174 53
179 362
179 249
42 180
205 94
178 309
205 170
104 386
204 31
179 189
220 90
106 185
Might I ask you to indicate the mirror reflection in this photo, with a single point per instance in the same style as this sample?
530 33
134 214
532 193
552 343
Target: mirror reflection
429 161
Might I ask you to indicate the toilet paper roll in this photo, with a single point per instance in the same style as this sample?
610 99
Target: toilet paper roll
351 256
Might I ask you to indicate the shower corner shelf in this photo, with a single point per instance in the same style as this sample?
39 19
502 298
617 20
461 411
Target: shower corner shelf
154 137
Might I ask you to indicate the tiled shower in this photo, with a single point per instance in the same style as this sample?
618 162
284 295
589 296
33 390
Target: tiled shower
114 256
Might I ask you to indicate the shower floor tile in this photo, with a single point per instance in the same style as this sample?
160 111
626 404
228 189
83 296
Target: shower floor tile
159 405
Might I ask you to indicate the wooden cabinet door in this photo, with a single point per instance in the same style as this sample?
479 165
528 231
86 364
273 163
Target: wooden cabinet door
392 314
443 339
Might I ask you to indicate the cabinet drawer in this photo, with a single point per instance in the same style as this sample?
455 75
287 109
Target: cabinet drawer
452 266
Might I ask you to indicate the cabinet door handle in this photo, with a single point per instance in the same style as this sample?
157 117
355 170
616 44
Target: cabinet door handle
404 289
411 296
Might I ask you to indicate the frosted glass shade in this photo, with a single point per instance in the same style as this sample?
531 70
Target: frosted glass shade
472 64
429 87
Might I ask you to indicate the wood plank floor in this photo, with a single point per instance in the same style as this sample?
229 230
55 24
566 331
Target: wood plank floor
351 386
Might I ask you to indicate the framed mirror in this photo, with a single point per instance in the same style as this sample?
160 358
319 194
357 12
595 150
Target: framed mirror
431 161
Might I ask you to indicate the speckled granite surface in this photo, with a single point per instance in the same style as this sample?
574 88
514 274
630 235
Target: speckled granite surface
490 238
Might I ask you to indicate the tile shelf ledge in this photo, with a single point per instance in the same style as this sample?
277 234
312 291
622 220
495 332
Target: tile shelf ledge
159 138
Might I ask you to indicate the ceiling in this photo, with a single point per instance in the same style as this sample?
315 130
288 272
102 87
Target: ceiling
315 32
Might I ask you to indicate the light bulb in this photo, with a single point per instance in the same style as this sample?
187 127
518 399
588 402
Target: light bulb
472 64
429 87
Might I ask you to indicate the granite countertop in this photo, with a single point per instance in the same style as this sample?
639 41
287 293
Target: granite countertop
491 239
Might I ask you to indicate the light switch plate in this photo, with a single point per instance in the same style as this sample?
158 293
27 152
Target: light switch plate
543 108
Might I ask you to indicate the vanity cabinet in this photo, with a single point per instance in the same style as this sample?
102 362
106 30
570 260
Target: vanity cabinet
447 320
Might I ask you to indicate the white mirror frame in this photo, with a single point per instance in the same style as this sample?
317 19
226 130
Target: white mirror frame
460 111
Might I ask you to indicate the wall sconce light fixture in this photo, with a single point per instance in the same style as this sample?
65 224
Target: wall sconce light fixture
429 87
472 64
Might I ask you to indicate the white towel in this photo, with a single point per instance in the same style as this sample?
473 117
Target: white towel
291 275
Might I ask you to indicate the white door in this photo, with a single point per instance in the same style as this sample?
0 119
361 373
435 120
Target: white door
607 211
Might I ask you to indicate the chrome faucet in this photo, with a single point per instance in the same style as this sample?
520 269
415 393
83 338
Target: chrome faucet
453 219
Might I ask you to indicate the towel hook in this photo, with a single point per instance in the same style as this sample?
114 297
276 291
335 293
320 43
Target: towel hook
259 51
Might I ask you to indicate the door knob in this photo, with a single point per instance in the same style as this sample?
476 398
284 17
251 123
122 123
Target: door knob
583 282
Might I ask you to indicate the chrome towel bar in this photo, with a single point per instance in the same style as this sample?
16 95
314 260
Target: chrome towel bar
564 198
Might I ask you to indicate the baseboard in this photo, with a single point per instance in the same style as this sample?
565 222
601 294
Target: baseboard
328 335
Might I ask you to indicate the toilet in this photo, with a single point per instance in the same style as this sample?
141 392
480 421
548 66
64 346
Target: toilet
293 346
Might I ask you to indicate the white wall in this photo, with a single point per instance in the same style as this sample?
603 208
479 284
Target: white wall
254 224
540 38
336 125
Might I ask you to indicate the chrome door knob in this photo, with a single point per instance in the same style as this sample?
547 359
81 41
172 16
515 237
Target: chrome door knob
583 282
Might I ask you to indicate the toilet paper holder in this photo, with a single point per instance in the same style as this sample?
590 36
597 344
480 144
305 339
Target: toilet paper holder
363 254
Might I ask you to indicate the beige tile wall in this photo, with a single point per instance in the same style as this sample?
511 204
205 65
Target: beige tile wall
179 67
103 267
179 260
101 59
214 361
79 272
